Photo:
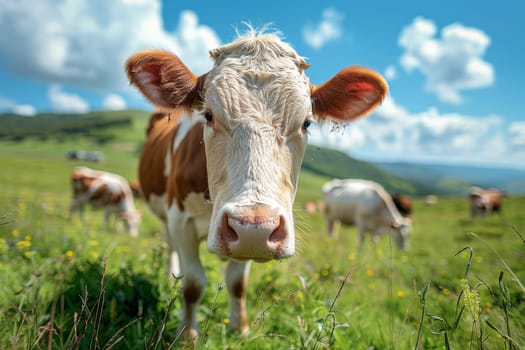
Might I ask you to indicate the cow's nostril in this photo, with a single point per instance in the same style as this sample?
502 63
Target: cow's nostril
279 234
227 232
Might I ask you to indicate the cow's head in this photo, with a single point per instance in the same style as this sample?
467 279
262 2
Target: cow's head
257 104
401 231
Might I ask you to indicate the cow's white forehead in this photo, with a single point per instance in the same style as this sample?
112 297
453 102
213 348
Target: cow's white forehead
259 76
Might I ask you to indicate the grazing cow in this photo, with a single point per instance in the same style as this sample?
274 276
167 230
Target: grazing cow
368 206
403 204
104 190
223 161
135 189
484 202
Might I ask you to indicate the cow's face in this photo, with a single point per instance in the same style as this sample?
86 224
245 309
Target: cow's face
257 104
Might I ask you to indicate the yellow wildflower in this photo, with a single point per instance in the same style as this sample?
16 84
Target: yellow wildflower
23 244
3 245
369 272
445 291
15 233
70 254
27 238
400 294
226 320
94 255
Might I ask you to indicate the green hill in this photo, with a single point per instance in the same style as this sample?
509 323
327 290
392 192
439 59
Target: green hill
335 164
114 131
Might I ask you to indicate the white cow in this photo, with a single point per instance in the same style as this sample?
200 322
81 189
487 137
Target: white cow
105 190
368 206
222 162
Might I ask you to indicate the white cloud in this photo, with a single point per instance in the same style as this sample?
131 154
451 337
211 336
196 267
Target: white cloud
63 102
517 135
8 105
330 28
390 72
113 102
392 132
85 43
451 63
25 110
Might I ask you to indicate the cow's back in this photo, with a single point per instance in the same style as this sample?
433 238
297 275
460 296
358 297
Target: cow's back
351 200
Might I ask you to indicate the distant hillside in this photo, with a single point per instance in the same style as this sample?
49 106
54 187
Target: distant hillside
46 125
112 127
335 164
456 179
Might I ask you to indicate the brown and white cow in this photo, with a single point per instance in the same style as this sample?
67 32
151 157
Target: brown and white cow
223 164
367 205
484 201
105 190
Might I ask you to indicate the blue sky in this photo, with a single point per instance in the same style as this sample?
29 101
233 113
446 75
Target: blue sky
455 68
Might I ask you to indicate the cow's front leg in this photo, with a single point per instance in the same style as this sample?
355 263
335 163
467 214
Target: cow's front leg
362 231
76 205
236 282
330 226
173 255
107 214
183 232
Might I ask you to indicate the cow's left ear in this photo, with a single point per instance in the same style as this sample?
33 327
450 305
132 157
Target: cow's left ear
351 94
164 80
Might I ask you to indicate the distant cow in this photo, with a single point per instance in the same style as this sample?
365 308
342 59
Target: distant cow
85 155
368 206
222 163
484 201
104 190
403 204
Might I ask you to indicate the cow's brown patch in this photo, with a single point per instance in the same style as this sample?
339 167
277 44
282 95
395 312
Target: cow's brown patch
188 174
192 292
160 135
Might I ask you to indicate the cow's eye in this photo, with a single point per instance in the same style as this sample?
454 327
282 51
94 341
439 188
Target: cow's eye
208 116
307 123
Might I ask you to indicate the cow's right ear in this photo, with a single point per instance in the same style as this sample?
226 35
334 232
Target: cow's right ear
164 80
351 94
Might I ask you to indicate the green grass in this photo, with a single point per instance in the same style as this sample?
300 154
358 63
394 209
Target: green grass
65 285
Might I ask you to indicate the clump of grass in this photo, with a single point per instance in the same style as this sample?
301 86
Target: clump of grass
469 299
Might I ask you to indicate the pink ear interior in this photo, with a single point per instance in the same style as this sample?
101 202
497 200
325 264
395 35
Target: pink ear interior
162 78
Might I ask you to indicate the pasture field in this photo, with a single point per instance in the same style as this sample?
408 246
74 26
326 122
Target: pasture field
64 285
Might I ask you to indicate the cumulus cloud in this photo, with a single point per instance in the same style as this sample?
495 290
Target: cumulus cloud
330 28
8 105
390 72
85 43
451 63
517 137
63 102
114 102
396 133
